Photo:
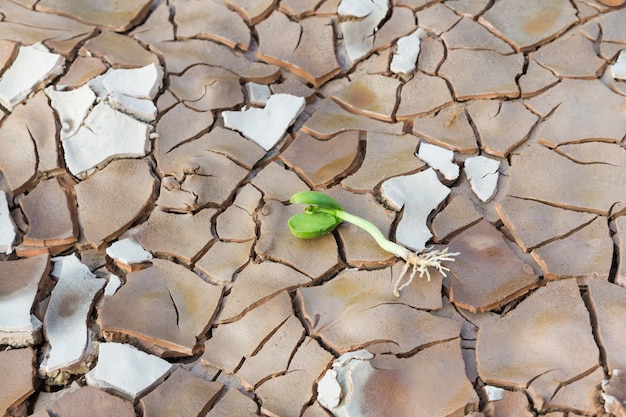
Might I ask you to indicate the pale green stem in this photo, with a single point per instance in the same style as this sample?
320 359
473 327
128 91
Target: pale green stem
370 228
416 263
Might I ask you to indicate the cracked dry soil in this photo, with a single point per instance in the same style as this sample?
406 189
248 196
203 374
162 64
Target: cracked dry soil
148 151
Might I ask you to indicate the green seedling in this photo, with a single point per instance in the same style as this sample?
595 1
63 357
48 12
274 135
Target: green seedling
323 214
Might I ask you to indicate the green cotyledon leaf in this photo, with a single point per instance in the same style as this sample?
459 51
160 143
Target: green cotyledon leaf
316 198
310 226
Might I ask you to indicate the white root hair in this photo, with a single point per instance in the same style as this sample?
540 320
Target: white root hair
420 262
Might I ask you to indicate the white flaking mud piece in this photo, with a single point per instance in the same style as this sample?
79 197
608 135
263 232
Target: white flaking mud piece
72 107
127 370
257 94
7 228
140 108
112 286
106 133
65 323
268 125
131 90
405 58
440 159
494 393
336 390
33 65
419 194
128 251
482 173
618 70
358 32
143 82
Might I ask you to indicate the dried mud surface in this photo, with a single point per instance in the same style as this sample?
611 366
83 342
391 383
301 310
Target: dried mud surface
148 151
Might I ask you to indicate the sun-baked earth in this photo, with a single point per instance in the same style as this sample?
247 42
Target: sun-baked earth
148 151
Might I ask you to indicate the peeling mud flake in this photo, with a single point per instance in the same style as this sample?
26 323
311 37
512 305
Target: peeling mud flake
65 323
385 156
268 125
307 365
468 34
211 20
165 306
571 57
607 304
253 11
33 65
358 34
181 55
533 223
357 309
127 370
192 231
203 156
421 95
486 274
457 215
507 403
107 133
536 80
234 403
51 215
274 356
128 253
449 128
437 18
585 253
231 342
103 13
372 95
501 125
330 118
82 70
223 259
119 50
482 74
321 162
440 159
304 47
71 106
400 23
558 343
278 183
182 394
104 212
374 386
569 106
405 58
561 182
19 283
483 174
178 125
400 192
618 70
206 88
90 401
257 94
525 25
580 395
614 393
249 290
16 366
7 227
